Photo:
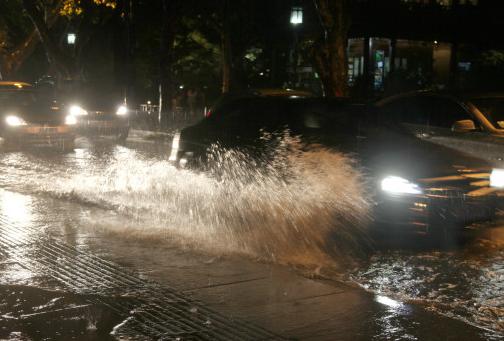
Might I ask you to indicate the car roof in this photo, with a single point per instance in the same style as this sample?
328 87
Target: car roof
300 100
330 104
461 96
266 92
274 92
4 85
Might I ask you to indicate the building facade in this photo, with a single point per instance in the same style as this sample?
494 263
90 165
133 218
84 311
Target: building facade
399 45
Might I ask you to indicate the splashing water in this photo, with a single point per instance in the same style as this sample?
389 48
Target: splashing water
462 285
298 207
260 211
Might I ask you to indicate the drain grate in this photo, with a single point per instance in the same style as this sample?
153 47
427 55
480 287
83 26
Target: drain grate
152 310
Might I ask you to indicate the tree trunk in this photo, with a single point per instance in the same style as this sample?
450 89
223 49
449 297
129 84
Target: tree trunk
129 93
13 60
166 86
226 50
330 52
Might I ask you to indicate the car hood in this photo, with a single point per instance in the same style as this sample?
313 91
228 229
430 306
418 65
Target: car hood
37 113
391 153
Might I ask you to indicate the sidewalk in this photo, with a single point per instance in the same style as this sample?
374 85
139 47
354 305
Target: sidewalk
141 287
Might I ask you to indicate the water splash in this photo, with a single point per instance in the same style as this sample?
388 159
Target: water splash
298 206
464 285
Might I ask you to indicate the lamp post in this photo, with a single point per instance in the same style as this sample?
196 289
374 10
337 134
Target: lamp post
296 19
71 38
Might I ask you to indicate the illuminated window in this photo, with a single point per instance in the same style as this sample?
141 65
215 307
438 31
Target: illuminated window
296 15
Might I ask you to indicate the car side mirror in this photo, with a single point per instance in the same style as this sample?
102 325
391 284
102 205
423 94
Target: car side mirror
463 126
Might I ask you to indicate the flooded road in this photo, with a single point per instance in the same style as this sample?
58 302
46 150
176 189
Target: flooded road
467 284
128 205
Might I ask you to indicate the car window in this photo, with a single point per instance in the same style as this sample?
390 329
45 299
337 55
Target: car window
443 112
425 110
305 116
493 109
225 109
405 110
248 117
323 118
344 119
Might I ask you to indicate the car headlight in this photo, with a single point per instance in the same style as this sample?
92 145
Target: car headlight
76 110
122 111
15 121
70 120
497 178
398 185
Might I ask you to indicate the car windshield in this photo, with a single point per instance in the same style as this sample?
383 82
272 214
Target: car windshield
493 109
16 97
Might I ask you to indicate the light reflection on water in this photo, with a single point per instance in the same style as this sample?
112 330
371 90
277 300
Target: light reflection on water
16 208
393 304
467 285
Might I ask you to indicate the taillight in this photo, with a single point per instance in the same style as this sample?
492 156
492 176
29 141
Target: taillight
208 113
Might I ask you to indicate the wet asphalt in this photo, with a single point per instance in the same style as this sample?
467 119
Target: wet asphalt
76 262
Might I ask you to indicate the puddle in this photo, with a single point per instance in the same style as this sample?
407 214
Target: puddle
28 313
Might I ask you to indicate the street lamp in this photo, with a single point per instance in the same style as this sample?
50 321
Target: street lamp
296 17
71 38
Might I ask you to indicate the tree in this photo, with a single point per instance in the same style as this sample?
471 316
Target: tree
58 60
329 52
18 38
226 47
44 16
237 27
72 8
170 23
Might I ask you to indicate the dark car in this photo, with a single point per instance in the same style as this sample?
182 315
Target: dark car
29 118
470 123
98 113
102 120
262 92
417 186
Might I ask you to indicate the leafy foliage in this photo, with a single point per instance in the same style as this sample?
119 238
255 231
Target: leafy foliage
71 8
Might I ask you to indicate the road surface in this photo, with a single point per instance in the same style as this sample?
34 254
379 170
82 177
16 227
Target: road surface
110 242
